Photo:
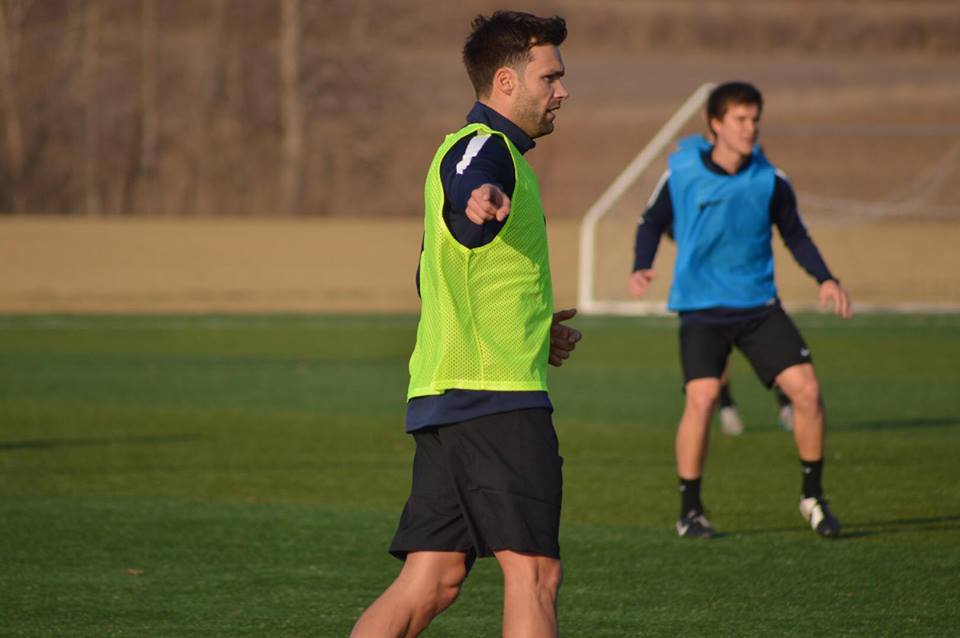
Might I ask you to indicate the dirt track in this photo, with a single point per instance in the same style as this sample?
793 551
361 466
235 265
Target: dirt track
179 265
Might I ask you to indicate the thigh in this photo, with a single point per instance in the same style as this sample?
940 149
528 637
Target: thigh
704 349
773 344
512 471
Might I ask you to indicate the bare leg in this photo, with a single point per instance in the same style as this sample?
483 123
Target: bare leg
530 586
428 583
800 384
730 421
693 432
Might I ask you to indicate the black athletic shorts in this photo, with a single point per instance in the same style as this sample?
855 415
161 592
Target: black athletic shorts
771 343
484 485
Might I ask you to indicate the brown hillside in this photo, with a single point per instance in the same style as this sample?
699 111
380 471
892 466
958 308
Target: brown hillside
180 106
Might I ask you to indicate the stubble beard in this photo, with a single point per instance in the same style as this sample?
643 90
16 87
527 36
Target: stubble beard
536 123
533 119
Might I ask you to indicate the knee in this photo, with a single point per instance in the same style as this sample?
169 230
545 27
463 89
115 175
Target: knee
430 588
701 397
549 579
544 580
447 588
442 598
806 396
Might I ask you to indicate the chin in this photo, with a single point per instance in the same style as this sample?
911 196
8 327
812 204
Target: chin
543 129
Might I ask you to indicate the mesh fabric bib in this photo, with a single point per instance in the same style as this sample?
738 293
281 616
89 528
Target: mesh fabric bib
485 312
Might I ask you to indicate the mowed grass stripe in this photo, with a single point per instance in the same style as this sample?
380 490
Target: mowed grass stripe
254 475
120 566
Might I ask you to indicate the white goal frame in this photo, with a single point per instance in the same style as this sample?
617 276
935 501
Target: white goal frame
587 303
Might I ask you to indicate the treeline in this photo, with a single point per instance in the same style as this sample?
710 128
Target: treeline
188 106
290 107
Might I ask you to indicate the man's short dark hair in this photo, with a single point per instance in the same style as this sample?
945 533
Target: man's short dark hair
505 39
730 93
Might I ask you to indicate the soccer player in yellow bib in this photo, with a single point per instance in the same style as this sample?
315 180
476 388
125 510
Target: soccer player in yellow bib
487 470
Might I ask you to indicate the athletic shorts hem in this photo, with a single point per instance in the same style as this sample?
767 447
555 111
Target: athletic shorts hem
490 483
770 343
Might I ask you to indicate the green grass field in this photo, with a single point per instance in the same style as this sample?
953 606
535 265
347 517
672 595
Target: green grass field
241 476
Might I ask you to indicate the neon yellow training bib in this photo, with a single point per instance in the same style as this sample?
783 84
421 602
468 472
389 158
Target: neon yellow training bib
485 312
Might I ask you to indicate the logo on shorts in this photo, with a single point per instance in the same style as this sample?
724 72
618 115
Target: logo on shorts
804 352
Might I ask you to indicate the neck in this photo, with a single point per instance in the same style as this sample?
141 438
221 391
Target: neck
727 159
497 105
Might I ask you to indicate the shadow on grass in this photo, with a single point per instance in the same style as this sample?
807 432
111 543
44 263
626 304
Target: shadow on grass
53 444
875 528
898 424
899 526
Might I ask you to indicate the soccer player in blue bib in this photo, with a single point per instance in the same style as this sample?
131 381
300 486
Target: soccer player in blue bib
723 198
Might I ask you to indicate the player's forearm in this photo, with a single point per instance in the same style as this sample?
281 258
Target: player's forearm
645 247
810 259
785 215
655 221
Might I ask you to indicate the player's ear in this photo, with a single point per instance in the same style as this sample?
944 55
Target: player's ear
505 80
711 132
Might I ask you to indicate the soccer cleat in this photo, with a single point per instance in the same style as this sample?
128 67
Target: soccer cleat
730 421
695 525
785 418
815 511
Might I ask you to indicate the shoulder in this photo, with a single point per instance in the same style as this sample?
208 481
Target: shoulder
782 186
482 146
783 200
661 189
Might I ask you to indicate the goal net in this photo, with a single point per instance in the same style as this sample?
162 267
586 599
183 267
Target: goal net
879 190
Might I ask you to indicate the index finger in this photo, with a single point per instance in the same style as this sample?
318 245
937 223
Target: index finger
504 208
847 307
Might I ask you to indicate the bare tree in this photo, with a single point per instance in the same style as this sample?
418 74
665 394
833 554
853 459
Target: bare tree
91 171
198 175
291 167
361 14
13 13
149 118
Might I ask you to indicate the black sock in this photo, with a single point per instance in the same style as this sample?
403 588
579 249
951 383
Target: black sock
726 399
812 473
782 399
690 496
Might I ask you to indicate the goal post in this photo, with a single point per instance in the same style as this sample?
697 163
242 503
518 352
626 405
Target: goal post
587 301
879 192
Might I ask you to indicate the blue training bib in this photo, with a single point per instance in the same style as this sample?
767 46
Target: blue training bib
722 229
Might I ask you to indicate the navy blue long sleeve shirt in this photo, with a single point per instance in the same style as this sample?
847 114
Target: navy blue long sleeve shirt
784 214
471 162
